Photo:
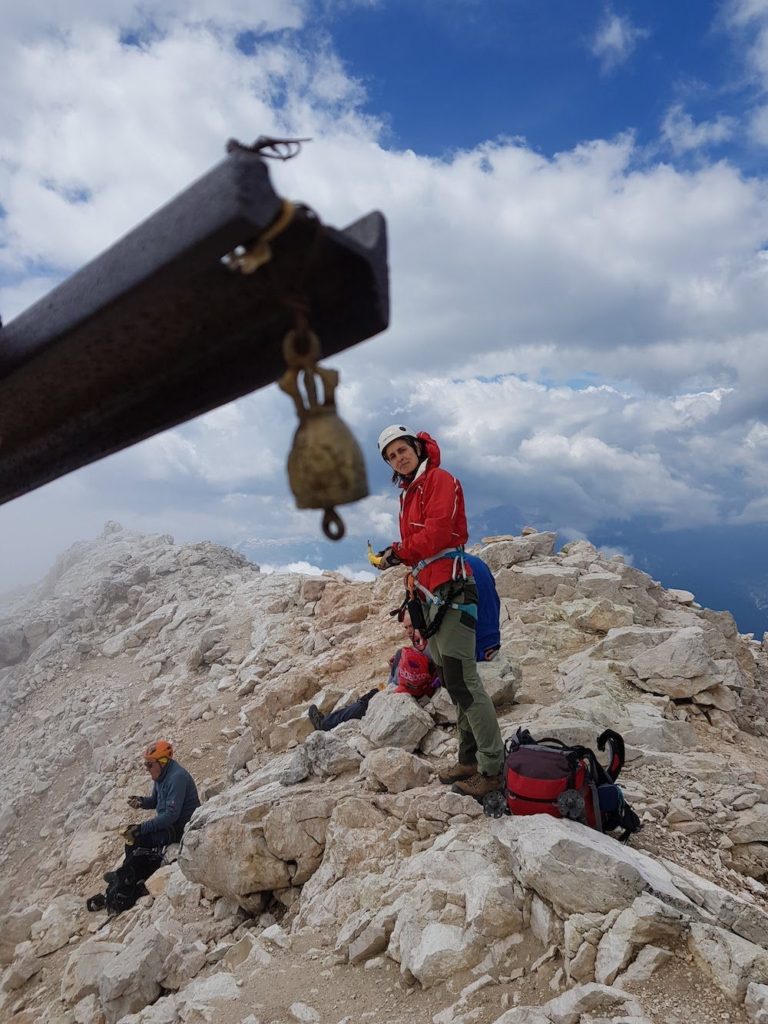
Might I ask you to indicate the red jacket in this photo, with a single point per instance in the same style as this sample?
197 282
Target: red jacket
432 518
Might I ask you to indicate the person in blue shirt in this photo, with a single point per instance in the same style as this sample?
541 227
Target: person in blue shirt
173 798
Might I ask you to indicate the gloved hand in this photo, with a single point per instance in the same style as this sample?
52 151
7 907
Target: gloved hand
134 801
388 559
129 834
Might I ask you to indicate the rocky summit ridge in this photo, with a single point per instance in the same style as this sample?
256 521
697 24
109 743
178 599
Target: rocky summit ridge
328 877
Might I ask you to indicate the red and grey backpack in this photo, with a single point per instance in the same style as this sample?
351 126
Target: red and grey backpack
549 777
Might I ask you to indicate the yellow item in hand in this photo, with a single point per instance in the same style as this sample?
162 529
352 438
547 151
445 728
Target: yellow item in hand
373 558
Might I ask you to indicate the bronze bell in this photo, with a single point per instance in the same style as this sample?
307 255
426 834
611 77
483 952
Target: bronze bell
325 465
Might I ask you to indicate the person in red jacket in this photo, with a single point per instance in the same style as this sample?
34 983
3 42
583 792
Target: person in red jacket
433 531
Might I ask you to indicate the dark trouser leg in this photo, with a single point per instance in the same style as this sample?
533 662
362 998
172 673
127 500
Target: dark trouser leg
467 744
356 709
453 648
153 841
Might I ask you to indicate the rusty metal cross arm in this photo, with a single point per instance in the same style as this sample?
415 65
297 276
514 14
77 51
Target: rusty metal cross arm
159 329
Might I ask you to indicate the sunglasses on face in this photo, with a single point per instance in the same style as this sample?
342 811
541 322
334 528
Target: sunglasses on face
148 764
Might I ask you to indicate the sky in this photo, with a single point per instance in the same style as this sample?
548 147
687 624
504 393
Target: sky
577 205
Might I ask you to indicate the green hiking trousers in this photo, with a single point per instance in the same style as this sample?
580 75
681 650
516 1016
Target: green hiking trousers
453 650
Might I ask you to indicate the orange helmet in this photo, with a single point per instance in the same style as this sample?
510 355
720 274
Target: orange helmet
160 750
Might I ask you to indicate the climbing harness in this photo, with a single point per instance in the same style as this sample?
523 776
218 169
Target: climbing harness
414 602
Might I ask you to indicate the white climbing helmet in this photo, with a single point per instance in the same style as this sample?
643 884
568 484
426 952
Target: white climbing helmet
390 434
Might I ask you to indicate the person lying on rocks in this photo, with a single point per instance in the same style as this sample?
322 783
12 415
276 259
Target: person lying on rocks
444 592
414 673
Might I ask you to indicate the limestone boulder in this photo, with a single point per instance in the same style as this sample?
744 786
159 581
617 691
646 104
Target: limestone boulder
596 616
599 585
224 848
501 678
61 920
241 752
441 707
25 966
295 729
643 967
503 553
328 754
731 961
274 696
84 968
750 859
16 927
679 667
295 832
529 582
395 769
578 870
86 849
184 961
751 826
581 1003
628 642
131 980
395 720
650 730
135 635
718 697
437 951
756 1003
453 900
731 912
198 1000
648 920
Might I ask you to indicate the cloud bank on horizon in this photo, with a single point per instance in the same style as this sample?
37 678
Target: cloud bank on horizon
583 328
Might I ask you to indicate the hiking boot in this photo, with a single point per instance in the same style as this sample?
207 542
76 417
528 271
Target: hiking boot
457 773
313 713
478 785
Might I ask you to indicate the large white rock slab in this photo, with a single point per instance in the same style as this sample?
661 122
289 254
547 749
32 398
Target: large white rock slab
756 1003
396 720
86 849
501 678
16 927
500 554
131 980
579 870
328 754
732 962
577 1004
85 967
731 912
395 769
751 826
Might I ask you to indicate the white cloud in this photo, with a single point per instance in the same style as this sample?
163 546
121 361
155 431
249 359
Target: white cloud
684 134
305 568
758 125
517 279
615 40
748 19
29 19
